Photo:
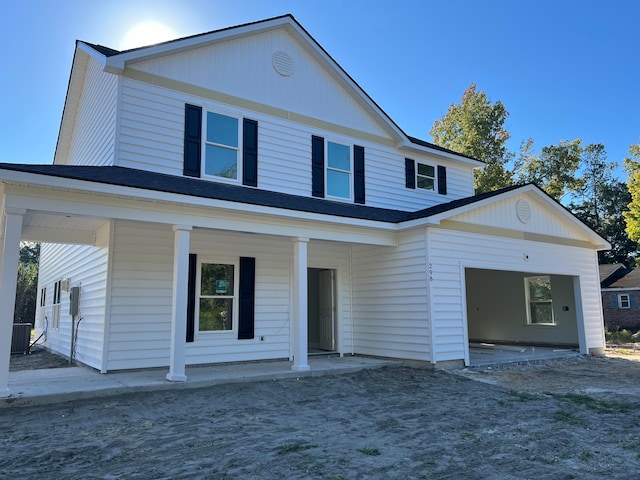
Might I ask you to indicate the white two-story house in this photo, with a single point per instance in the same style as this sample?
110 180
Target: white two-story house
236 196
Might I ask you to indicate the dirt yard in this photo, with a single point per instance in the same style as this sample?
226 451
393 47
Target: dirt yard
567 419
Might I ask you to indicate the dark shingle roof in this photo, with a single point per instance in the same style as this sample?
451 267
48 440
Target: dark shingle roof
195 187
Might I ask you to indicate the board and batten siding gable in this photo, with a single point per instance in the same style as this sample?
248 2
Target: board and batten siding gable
233 67
390 299
93 136
451 251
541 218
86 267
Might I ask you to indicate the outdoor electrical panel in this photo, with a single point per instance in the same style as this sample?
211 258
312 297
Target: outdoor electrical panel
74 301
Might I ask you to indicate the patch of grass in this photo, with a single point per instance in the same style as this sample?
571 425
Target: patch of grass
371 451
600 406
523 396
293 447
567 417
584 456
620 336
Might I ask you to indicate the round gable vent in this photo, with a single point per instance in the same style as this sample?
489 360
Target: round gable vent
282 63
523 211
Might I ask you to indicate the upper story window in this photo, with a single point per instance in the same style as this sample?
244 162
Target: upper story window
539 301
426 176
339 169
219 146
222 146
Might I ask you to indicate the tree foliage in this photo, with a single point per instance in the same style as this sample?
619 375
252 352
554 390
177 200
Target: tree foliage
475 127
27 286
632 215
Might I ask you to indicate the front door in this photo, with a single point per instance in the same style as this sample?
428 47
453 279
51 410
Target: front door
326 317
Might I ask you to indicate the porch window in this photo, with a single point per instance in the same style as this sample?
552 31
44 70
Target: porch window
539 301
217 296
221 146
624 301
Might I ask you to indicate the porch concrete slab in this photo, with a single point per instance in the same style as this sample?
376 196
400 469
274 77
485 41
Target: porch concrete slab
55 385
486 355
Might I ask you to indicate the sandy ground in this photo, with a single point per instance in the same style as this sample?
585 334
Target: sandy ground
566 419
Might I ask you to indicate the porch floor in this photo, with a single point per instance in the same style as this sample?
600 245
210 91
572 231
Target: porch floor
55 385
486 354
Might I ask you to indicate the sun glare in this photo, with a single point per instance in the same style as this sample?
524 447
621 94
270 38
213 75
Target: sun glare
147 33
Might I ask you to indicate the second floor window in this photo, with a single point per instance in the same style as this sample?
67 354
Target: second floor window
221 146
426 177
339 170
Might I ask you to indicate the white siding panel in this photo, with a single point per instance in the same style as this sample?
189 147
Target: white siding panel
452 251
93 138
152 136
86 267
390 307
232 68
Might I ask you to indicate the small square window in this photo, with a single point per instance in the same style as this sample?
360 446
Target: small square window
426 177
623 301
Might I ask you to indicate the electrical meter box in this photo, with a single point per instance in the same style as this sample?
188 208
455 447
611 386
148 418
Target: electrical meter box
74 301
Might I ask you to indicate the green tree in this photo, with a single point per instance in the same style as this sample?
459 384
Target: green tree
632 215
553 170
475 127
27 286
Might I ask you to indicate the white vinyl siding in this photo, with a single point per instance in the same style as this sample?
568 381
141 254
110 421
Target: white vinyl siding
93 139
152 137
453 251
390 299
141 286
86 267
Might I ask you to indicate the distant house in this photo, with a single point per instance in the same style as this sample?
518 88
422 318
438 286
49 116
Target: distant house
237 196
620 288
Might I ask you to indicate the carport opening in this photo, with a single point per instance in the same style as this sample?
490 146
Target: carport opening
518 311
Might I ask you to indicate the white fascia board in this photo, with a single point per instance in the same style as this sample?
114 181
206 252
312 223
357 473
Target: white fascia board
116 63
60 183
414 147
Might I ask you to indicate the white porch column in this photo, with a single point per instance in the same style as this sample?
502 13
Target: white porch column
300 341
8 281
179 304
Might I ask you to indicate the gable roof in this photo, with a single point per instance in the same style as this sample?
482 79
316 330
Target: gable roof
197 188
115 61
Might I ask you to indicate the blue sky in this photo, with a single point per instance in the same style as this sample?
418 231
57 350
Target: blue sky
564 69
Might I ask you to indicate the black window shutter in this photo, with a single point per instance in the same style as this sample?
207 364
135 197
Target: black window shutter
246 311
250 152
410 173
442 180
191 297
358 177
614 301
192 140
317 166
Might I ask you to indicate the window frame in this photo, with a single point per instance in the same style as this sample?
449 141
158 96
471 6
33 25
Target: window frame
621 301
345 143
530 301
206 109
235 298
434 178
